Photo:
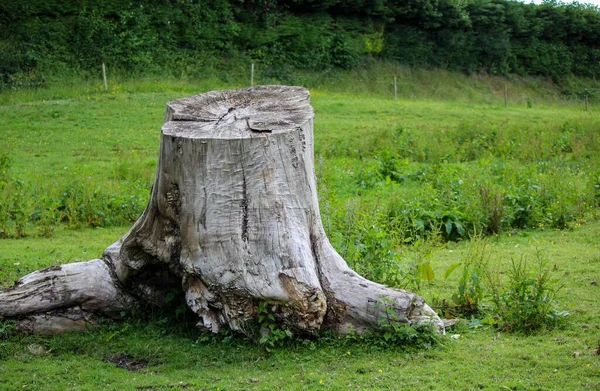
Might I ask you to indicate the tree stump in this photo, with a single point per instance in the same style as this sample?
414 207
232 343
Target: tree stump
233 221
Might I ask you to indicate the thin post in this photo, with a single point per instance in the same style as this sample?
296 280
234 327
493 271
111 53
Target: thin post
104 77
252 75
505 95
586 103
395 88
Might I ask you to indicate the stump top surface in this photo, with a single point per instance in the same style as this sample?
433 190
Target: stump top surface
243 113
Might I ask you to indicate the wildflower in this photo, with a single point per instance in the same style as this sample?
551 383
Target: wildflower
380 371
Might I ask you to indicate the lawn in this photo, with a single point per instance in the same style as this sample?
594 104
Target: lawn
404 186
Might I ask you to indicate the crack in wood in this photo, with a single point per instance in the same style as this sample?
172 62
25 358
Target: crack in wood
244 207
224 115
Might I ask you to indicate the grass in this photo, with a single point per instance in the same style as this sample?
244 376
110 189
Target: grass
481 358
393 176
89 159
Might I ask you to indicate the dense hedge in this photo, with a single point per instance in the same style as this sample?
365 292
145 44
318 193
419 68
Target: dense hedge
53 38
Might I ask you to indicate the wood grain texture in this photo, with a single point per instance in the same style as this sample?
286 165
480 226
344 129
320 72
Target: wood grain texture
234 221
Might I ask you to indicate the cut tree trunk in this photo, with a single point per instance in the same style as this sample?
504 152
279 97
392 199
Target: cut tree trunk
233 221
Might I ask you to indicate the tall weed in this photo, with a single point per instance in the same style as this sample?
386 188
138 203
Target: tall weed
526 301
467 300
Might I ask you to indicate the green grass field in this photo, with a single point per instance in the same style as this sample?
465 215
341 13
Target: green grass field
403 186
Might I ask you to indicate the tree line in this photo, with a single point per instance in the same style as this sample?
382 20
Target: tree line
42 39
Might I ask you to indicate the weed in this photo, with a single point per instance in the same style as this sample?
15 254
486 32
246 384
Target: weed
386 168
470 292
271 333
416 267
596 188
391 332
526 302
493 208
5 163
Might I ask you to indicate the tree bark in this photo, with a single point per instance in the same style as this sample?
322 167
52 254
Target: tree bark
233 221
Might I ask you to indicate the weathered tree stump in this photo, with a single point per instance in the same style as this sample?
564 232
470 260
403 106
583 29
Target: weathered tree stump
233 220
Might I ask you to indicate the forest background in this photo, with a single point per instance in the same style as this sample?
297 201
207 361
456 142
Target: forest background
57 40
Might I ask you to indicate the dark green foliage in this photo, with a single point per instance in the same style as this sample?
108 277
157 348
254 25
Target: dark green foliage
271 333
61 39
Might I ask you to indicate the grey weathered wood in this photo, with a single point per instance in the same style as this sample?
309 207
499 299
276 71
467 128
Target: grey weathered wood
234 220
586 103
65 298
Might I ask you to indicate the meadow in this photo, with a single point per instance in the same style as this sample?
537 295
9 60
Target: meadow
444 191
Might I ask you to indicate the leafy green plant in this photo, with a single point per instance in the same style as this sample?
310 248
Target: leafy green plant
363 240
386 168
374 42
271 333
467 300
416 267
527 301
391 332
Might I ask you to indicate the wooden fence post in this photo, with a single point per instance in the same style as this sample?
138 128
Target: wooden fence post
104 77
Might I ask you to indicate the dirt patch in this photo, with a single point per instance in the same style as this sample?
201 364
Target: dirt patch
125 361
